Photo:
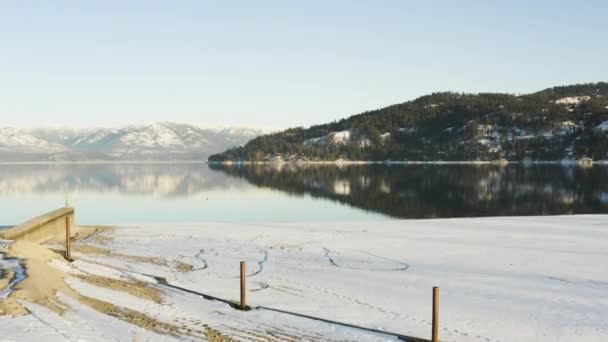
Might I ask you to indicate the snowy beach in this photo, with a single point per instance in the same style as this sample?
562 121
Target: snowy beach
501 279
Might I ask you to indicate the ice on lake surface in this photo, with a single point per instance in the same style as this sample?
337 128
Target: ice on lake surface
197 192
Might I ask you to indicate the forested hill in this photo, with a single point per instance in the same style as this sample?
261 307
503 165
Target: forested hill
567 122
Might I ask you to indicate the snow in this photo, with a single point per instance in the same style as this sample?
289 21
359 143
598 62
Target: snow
485 142
572 100
408 130
501 279
78 324
17 140
567 127
603 126
365 142
341 137
336 138
314 141
154 135
95 136
156 141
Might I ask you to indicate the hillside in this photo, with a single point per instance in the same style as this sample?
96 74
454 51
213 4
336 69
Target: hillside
567 122
157 141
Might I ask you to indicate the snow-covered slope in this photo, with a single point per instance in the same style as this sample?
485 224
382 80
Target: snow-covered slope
156 141
17 140
573 100
501 279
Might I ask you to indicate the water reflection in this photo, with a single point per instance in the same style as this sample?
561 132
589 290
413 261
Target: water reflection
138 192
153 193
159 180
431 191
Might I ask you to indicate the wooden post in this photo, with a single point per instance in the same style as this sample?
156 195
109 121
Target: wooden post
435 336
68 243
243 275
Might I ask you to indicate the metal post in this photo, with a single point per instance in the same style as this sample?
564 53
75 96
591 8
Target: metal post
243 275
435 336
68 243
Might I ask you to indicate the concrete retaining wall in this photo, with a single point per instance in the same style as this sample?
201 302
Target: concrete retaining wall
46 227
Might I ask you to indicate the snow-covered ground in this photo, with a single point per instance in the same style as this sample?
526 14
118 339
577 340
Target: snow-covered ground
501 279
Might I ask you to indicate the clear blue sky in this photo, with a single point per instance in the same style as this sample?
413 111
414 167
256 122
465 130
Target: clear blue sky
280 63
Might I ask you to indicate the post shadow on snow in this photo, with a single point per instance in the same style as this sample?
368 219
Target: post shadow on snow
384 332
234 305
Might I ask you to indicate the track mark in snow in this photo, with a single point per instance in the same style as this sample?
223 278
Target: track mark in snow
199 256
60 332
263 286
561 280
580 282
260 263
331 261
402 266
393 314
599 283
286 290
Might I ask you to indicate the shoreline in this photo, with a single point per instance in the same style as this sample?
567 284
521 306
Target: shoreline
413 162
123 278
105 162
324 162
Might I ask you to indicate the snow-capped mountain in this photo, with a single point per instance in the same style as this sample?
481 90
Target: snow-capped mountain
19 141
156 141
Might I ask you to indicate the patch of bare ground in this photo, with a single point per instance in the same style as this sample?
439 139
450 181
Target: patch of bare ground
90 239
182 266
101 235
44 281
9 306
136 288
144 321
265 333
94 250
5 278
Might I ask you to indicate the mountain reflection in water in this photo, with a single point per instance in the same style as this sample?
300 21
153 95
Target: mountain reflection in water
152 179
439 190
192 192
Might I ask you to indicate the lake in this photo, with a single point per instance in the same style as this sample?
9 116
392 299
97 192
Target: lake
197 192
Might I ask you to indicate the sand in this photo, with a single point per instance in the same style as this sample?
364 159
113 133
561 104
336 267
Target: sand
45 280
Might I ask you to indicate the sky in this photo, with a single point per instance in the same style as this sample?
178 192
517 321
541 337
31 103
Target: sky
279 64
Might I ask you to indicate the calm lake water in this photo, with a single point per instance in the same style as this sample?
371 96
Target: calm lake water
137 193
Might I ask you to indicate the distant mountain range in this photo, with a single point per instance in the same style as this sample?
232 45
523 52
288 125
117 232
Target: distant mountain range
158 141
555 124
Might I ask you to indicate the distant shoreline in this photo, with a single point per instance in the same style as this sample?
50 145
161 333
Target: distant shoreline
436 162
327 162
106 162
